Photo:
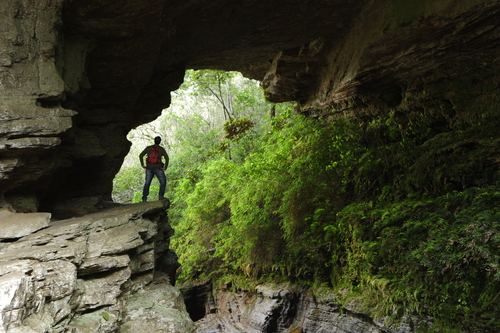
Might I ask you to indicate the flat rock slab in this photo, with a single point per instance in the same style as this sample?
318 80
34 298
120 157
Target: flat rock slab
15 225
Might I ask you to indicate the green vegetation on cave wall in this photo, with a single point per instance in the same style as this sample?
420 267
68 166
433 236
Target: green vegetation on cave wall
396 201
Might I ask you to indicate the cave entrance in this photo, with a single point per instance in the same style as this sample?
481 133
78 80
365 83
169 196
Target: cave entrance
214 114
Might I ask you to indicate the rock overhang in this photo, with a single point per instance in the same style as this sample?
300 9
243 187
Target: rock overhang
84 73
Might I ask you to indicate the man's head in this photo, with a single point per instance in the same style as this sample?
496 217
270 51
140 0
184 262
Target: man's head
157 140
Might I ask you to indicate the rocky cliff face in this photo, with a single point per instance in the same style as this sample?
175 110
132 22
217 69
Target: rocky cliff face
90 274
76 76
287 309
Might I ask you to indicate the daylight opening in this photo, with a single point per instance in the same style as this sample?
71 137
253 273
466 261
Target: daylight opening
213 115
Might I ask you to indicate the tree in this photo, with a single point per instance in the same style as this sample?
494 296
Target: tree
212 113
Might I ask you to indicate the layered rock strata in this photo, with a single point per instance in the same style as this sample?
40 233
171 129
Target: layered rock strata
91 274
287 309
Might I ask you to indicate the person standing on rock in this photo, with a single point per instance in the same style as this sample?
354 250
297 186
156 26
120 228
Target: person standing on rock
154 167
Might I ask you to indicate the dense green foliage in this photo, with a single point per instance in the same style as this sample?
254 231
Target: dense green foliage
397 208
318 202
409 223
213 112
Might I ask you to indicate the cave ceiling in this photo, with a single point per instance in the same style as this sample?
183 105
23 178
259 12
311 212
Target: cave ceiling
77 75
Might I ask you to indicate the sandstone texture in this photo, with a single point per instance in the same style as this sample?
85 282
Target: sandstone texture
76 76
91 274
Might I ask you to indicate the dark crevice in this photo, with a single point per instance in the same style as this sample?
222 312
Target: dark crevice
48 103
92 310
196 297
9 240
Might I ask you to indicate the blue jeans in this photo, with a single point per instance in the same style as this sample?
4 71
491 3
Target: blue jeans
150 173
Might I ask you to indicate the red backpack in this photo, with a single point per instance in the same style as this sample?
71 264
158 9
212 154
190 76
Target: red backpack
154 158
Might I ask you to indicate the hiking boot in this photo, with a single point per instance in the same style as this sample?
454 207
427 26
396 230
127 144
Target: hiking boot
144 199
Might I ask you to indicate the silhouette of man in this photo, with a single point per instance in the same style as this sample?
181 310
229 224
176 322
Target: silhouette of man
154 168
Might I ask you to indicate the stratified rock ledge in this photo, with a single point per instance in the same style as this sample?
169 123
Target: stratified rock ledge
76 274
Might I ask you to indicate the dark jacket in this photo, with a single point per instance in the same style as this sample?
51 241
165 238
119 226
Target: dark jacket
161 153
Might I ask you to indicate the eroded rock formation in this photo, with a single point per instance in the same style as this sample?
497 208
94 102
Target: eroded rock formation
287 309
92 274
76 76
